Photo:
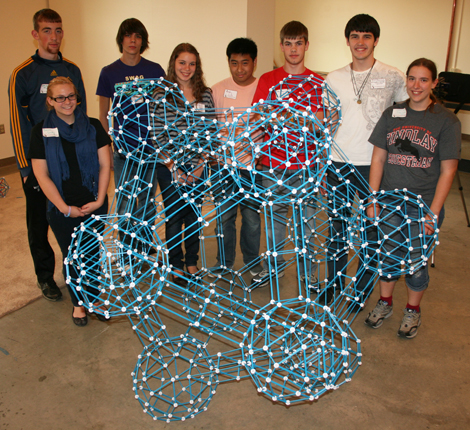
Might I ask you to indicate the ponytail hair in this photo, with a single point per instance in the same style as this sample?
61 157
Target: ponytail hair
431 66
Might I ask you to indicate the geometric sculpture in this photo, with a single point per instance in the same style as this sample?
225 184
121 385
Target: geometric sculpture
402 245
4 187
292 346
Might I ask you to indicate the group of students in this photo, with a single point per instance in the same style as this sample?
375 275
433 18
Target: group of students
71 161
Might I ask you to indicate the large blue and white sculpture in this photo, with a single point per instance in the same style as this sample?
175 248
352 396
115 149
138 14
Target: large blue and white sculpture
293 347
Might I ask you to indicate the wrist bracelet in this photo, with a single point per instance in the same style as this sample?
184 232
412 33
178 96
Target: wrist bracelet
70 211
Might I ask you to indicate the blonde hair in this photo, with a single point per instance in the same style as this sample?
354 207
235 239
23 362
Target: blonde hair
60 80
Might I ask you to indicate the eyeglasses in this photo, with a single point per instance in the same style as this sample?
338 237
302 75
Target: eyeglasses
61 99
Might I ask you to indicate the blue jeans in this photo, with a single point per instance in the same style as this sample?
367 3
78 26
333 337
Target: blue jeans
337 253
303 219
124 171
396 244
228 202
179 213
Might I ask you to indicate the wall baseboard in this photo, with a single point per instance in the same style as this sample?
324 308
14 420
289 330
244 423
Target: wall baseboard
7 161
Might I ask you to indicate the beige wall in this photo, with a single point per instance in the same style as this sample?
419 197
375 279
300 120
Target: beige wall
409 29
91 26
260 28
19 45
90 29
460 58
209 27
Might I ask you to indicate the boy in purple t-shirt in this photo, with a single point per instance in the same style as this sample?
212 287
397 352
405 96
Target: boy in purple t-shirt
132 39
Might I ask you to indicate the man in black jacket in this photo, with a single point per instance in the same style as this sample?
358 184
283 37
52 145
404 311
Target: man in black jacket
27 91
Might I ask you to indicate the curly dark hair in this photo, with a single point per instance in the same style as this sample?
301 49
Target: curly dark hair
198 84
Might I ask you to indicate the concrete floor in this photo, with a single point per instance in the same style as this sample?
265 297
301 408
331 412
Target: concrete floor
54 375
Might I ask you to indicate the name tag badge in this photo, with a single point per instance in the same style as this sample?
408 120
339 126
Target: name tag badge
281 94
230 94
43 89
200 107
137 99
377 83
399 113
50 132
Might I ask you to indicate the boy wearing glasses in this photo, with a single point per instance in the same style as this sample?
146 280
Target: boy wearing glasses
27 91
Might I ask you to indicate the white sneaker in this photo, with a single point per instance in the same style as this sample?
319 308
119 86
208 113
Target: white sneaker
215 271
255 270
263 277
312 280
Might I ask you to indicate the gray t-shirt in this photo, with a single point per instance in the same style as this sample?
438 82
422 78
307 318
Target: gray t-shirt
416 142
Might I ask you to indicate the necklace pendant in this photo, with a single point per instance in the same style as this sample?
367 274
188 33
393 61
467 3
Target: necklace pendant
359 101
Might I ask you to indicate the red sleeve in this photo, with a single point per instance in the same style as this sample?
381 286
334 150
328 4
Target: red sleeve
262 90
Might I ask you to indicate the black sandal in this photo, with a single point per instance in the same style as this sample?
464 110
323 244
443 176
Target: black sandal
195 273
177 279
80 321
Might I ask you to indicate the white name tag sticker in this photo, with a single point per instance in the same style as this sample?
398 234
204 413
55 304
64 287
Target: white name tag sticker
50 132
137 99
399 113
377 83
43 89
281 94
200 107
230 94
